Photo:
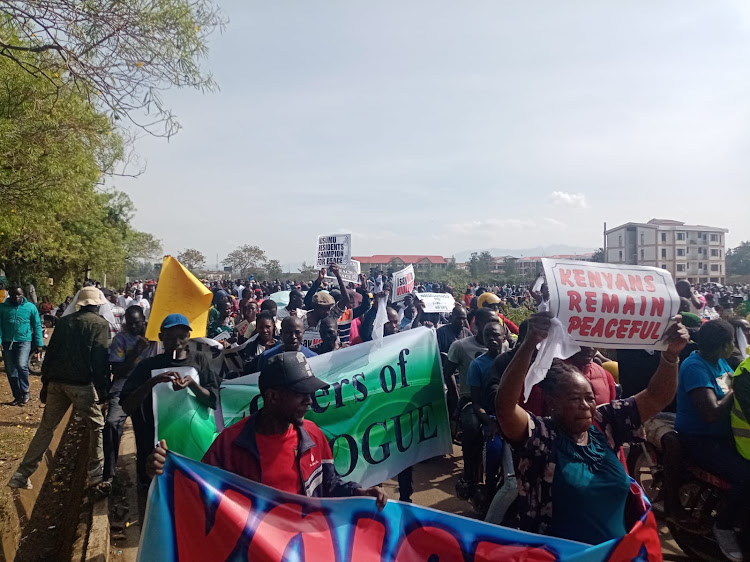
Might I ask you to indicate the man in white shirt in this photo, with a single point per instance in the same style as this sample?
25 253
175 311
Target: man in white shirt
143 303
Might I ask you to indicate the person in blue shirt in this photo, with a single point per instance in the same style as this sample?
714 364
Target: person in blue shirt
292 332
479 372
704 402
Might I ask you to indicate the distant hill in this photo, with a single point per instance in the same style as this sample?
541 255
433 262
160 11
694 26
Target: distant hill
523 252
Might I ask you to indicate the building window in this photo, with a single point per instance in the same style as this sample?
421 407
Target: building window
620 255
700 250
700 265
714 253
714 267
680 267
664 266
680 236
643 239
663 236
664 252
619 240
680 251
714 238
643 253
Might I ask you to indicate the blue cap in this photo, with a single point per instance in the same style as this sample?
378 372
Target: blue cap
173 320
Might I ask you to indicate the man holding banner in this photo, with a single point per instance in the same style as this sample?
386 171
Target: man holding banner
176 365
277 446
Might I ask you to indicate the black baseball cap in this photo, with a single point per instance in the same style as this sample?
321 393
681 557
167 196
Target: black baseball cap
291 370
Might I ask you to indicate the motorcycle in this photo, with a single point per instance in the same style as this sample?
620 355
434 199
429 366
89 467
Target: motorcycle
683 493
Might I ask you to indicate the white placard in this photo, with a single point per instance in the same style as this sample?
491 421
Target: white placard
614 306
437 302
403 283
334 248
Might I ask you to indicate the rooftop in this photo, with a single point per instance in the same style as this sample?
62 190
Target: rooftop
669 224
405 258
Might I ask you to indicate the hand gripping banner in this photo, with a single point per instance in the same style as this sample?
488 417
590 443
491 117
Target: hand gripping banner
197 512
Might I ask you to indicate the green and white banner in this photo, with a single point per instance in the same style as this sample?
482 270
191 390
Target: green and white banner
384 411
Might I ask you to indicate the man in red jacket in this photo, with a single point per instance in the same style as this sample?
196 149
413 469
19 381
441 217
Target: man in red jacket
277 446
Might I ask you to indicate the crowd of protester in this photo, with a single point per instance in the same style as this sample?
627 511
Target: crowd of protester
566 438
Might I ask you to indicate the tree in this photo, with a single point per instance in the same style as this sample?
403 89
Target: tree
511 268
480 264
598 256
738 260
117 55
192 259
52 142
245 258
54 149
307 271
273 269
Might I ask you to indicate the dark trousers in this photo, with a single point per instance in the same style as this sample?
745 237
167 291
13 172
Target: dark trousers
405 485
720 457
472 444
113 428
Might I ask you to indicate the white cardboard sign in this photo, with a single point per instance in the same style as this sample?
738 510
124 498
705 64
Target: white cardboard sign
437 302
403 283
334 248
608 305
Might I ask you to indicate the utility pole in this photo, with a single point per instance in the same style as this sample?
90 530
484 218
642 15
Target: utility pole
605 242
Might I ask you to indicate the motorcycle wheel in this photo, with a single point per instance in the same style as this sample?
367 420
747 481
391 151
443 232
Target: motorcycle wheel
35 363
696 547
647 473
697 543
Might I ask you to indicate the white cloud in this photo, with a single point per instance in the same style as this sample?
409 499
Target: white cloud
563 198
555 223
480 226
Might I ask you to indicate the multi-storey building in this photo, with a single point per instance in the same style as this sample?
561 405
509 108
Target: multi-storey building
691 252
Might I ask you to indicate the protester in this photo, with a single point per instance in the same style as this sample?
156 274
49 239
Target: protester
135 396
277 446
125 351
262 339
223 323
571 483
270 306
20 334
249 314
685 291
75 372
601 380
329 336
460 355
476 423
704 403
457 329
294 308
292 334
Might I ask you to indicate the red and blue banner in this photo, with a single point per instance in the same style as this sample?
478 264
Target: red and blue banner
201 513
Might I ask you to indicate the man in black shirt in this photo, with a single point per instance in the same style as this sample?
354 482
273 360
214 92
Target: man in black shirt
456 330
135 397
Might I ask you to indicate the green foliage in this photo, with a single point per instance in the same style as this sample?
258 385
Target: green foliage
516 315
192 259
738 260
246 258
274 270
117 55
54 223
598 256
480 264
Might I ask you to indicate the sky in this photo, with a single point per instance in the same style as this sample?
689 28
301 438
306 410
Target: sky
433 127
